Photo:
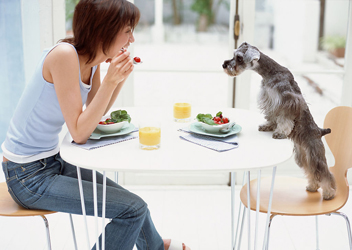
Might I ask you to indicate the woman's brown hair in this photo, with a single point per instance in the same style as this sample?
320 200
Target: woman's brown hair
98 22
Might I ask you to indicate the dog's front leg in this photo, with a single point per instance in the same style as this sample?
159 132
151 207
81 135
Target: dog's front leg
268 126
284 127
313 185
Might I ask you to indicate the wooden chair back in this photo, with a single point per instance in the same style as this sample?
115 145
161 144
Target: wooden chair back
339 120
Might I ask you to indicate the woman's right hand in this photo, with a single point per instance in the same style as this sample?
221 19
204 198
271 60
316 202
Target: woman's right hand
120 68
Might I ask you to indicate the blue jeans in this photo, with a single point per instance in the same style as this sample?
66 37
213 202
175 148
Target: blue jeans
51 184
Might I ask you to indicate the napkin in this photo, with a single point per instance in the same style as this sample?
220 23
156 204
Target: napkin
104 141
219 144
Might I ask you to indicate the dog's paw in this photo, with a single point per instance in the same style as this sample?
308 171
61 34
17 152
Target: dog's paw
311 188
329 194
266 128
277 135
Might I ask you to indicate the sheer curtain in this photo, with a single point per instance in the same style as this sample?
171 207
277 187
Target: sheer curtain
12 74
26 29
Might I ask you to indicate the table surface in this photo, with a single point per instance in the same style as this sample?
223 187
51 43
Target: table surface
256 149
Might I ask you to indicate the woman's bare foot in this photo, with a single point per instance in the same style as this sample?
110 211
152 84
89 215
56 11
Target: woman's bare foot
167 243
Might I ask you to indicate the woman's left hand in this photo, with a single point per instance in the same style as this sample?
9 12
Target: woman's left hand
120 68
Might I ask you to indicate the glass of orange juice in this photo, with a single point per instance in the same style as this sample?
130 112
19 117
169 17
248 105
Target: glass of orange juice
182 111
149 135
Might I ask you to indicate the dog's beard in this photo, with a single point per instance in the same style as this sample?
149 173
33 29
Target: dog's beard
231 71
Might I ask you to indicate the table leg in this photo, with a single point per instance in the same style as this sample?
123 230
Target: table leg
233 243
82 204
249 208
242 225
257 209
103 212
116 177
73 232
269 207
94 173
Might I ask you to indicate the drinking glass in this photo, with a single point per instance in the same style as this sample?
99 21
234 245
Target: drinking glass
149 135
182 111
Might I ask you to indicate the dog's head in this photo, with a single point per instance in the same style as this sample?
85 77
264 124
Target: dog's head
245 57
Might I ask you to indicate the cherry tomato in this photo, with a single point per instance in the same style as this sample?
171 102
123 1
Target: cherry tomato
217 119
110 122
225 120
137 59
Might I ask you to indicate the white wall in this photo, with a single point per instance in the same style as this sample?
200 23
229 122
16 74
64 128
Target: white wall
336 17
347 83
43 24
296 29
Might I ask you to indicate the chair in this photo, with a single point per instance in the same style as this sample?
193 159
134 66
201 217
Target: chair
8 207
290 196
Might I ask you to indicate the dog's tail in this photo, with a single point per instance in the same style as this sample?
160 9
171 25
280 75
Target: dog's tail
325 131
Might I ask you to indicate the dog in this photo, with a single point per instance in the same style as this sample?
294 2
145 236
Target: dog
287 114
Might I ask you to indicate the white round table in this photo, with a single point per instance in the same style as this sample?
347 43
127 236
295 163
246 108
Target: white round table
257 150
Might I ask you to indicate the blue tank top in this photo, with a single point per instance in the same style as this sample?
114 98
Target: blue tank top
38 120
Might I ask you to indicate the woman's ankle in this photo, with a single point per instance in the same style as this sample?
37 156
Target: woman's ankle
167 243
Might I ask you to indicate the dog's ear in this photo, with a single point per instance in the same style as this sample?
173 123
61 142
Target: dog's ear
251 54
243 44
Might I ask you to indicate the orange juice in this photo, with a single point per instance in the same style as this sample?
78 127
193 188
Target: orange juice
149 136
182 110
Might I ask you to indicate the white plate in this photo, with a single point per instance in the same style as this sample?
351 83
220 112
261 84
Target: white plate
128 128
213 128
111 128
198 129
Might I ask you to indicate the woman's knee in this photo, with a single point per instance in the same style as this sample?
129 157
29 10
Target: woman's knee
134 208
139 206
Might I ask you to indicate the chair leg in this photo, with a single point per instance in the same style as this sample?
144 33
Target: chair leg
266 241
238 220
317 231
47 231
348 227
73 232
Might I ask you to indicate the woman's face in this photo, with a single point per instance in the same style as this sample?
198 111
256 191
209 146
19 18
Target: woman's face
122 40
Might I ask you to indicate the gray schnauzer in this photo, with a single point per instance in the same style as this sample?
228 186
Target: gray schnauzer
287 114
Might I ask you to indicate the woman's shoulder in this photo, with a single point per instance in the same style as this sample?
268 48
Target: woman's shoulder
62 58
62 53
63 50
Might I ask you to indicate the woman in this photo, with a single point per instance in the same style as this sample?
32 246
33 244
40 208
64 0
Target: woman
68 76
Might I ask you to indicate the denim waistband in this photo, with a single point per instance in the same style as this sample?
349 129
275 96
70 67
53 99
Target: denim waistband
9 166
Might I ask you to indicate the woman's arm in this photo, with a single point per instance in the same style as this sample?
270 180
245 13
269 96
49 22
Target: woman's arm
63 66
95 86
114 95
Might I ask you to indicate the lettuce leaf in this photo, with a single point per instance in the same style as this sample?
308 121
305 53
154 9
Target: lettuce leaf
206 118
219 114
119 116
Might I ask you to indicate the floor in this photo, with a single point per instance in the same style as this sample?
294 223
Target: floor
197 215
